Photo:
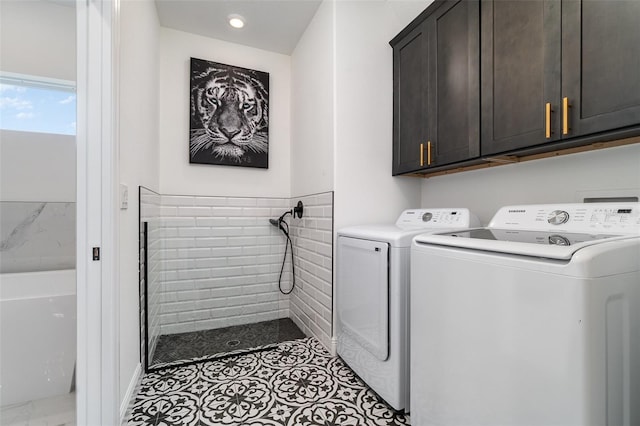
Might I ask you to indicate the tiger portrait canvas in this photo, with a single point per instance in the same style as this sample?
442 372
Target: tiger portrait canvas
229 115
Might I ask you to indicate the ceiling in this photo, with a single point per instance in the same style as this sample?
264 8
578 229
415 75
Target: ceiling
274 25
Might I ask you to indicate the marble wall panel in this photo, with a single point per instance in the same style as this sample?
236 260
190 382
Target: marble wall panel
37 236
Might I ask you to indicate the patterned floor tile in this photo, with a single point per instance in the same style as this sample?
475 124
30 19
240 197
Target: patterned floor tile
298 383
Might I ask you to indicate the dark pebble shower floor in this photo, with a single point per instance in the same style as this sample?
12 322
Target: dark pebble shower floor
173 349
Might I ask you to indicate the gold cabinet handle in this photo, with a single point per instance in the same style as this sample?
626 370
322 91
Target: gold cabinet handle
428 153
421 154
565 116
547 120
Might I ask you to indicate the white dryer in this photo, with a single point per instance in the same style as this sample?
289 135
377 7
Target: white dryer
372 297
533 320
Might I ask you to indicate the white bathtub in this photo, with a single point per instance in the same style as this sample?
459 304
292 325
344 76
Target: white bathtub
37 334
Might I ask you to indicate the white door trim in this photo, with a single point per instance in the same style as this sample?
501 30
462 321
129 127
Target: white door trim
97 371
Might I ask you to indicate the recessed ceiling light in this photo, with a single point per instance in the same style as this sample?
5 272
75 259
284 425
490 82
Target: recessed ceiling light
236 21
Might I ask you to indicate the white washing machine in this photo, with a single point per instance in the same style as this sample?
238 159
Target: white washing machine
372 297
533 320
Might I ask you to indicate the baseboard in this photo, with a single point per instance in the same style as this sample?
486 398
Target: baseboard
130 394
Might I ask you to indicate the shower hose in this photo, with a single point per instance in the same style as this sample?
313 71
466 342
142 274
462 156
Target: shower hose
284 227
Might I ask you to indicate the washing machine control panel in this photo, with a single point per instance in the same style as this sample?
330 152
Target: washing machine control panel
558 217
610 218
437 218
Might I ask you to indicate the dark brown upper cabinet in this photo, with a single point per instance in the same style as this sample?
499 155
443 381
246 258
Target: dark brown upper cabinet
600 65
475 81
454 83
436 88
554 70
520 69
410 100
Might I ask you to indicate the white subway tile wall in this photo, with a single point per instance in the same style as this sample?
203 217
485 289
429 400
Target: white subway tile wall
215 261
311 301
150 212
220 262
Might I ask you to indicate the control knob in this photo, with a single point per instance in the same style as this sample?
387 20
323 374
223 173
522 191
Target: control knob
559 240
558 217
427 217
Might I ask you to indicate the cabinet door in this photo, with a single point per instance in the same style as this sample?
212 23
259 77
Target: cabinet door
520 73
601 64
454 97
409 100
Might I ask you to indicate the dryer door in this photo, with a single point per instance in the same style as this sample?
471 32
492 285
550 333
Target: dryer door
363 293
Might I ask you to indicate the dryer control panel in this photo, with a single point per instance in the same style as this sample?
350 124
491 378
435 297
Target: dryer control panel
437 218
595 218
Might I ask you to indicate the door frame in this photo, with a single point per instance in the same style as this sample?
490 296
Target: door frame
97 370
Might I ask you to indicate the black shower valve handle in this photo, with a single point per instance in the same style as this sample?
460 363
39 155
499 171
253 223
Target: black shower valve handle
298 210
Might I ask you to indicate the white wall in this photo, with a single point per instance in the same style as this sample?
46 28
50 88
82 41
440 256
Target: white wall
365 189
38 38
312 101
138 159
37 167
177 176
342 116
565 179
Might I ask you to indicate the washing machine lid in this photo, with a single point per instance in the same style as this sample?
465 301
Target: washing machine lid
413 222
390 234
550 245
554 231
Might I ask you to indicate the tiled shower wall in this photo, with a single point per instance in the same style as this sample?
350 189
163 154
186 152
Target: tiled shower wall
150 204
218 260
220 263
311 300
